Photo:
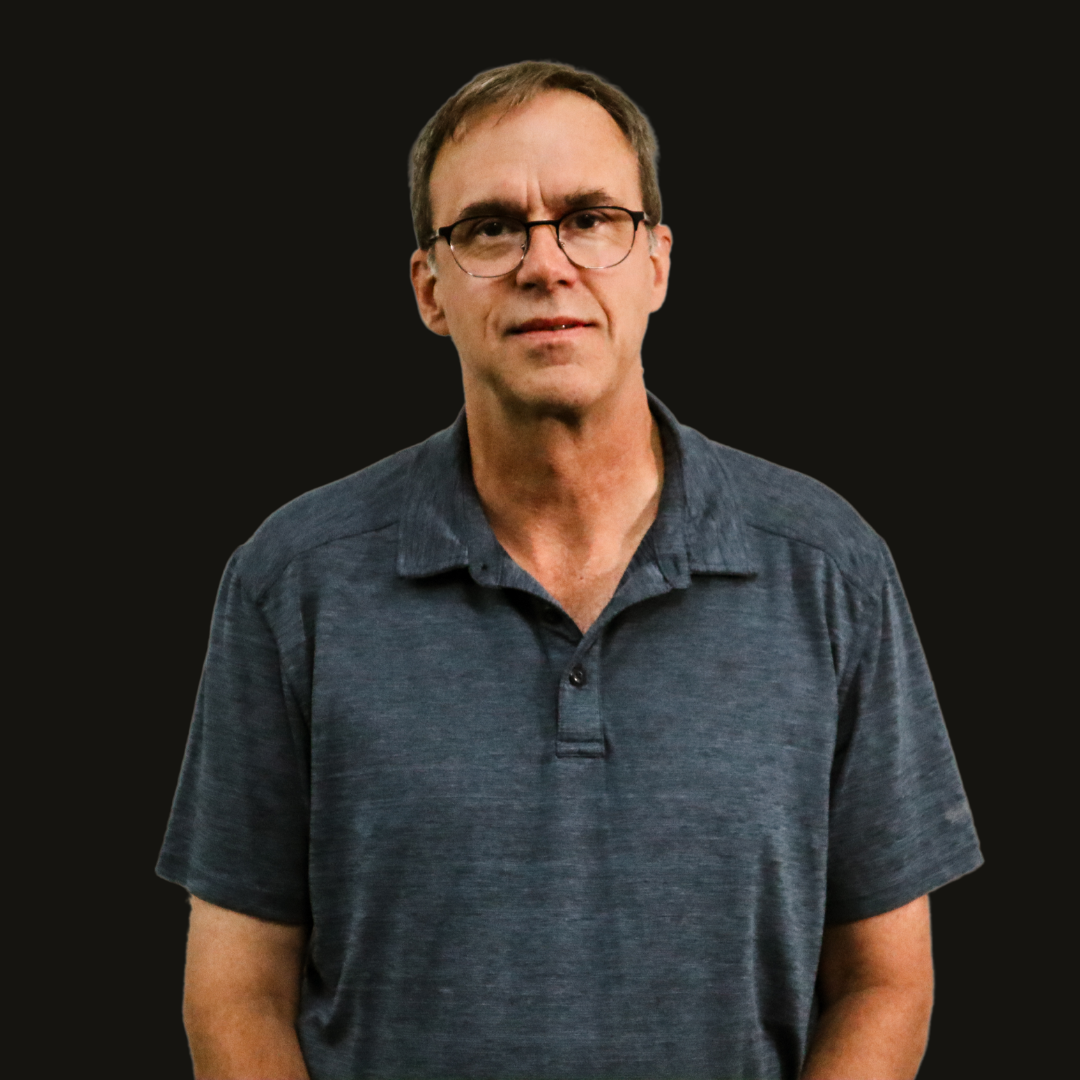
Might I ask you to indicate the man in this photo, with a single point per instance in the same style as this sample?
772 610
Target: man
568 743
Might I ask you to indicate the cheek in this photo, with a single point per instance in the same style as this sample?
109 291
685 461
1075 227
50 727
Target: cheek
628 307
455 302
469 312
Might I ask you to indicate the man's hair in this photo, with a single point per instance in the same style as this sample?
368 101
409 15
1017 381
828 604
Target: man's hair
514 85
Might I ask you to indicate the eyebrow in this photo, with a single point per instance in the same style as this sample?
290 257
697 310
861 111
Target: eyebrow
503 208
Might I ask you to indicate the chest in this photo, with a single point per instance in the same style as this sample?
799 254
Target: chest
455 689
582 592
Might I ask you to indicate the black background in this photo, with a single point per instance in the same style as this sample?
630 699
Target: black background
835 307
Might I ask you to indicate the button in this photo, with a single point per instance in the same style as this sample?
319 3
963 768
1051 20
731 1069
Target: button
578 676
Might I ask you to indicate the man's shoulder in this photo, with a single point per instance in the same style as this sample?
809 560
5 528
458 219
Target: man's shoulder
777 501
367 501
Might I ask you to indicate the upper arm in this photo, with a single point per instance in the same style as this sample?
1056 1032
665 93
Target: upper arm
233 957
891 949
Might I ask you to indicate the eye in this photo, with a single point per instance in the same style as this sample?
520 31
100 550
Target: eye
481 229
486 230
586 219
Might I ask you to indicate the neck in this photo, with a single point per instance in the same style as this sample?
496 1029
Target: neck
574 483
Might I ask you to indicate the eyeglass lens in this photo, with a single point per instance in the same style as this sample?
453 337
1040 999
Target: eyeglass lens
593 239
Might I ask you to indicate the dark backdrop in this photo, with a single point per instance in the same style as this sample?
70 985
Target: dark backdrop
829 310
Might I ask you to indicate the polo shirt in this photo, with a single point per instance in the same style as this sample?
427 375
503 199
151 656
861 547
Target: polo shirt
530 852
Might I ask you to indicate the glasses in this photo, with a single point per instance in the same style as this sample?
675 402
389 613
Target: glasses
594 238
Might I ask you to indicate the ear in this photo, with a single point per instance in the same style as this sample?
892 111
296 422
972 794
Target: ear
424 283
660 257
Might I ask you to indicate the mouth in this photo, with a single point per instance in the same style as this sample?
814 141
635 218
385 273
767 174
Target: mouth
548 326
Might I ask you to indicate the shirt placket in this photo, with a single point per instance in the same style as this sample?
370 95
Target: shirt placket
580 728
580 723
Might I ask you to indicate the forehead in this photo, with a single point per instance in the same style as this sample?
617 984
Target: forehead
533 156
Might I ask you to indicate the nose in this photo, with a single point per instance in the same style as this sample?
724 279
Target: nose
545 262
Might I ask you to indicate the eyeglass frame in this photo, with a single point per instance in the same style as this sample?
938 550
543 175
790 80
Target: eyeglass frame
637 216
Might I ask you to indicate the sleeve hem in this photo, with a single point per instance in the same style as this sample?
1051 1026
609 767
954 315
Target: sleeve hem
237 897
865 907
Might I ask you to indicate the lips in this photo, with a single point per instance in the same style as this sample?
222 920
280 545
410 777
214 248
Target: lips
540 325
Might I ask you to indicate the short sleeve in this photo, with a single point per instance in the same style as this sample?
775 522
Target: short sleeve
899 824
237 835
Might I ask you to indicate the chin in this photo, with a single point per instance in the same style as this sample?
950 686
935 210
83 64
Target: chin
559 390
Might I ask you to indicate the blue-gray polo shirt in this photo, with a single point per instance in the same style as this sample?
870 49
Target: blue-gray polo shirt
528 852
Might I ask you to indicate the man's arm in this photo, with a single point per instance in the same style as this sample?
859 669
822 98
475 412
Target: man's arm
876 981
242 994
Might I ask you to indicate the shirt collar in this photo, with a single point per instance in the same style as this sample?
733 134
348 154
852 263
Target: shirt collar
699 525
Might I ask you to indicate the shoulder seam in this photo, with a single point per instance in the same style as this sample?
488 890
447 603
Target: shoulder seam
260 596
861 586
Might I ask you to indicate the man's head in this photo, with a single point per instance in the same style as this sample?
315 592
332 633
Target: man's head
533 142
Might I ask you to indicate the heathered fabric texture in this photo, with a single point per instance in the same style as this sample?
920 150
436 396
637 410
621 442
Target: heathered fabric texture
512 876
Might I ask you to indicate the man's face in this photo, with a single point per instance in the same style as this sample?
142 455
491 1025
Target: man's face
536 163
